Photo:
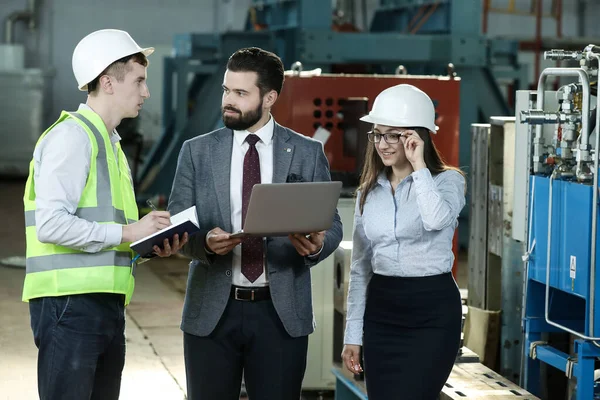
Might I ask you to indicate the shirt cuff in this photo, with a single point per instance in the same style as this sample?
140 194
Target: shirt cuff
423 181
114 235
206 249
317 254
354 333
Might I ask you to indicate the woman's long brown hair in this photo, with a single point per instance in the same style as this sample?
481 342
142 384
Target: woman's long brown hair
373 164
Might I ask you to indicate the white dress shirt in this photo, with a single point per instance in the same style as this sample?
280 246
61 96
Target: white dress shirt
61 167
265 154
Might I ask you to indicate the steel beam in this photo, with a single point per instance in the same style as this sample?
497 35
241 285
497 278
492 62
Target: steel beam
327 47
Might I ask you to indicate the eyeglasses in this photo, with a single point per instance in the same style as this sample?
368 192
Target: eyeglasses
389 137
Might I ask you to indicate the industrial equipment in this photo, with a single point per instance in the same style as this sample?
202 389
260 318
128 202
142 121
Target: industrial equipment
562 273
23 96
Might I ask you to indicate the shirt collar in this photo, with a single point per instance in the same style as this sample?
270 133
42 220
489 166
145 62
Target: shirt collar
265 133
382 179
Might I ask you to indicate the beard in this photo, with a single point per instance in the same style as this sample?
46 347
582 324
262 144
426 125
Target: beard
242 121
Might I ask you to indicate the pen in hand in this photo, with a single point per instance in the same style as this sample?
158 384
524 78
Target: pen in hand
151 205
164 214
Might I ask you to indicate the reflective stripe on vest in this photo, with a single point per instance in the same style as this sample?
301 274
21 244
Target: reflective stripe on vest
77 260
94 214
103 192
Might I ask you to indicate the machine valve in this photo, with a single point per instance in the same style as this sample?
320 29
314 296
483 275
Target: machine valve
540 117
559 54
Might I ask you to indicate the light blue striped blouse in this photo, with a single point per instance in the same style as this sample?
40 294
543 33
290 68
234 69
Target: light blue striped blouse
408 233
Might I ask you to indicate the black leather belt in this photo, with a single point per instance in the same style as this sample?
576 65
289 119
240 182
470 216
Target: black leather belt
250 293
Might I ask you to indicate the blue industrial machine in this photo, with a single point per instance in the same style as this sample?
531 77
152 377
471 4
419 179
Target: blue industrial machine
562 265
424 36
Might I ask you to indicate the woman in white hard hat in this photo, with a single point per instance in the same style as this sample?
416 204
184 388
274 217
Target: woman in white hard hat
404 306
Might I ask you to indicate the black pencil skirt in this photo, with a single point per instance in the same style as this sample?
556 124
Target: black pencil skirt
411 336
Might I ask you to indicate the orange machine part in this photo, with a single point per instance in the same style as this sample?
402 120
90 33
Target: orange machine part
308 102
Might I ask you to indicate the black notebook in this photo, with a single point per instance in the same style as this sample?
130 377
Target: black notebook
185 221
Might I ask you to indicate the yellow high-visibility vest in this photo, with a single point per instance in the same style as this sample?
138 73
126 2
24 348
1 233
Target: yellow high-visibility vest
108 198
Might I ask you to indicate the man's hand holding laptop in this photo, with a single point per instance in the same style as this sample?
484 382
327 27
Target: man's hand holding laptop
219 242
308 245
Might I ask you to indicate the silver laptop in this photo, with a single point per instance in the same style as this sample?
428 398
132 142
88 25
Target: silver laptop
278 209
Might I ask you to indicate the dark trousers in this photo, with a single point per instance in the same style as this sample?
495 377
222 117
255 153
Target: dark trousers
81 342
250 340
411 336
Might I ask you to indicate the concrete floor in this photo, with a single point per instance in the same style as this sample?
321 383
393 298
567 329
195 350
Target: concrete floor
154 367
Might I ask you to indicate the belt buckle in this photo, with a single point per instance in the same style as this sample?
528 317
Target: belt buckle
238 298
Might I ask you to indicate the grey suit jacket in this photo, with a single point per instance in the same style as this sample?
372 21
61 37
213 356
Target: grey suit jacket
202 179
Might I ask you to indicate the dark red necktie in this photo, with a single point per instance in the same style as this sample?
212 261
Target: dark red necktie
252 248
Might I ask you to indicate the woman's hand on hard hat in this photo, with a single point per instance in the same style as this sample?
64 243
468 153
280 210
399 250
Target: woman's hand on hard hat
413 149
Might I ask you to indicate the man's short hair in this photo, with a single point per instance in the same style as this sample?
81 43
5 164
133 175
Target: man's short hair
118 69
267 65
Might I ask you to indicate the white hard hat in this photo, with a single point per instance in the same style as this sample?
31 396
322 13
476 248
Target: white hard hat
98 50
403 106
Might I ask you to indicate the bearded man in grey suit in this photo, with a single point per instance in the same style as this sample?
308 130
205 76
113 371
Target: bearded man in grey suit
248 305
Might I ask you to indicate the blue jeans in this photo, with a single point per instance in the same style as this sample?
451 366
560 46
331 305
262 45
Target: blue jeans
81 343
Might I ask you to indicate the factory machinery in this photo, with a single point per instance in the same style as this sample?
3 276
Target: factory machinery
562 276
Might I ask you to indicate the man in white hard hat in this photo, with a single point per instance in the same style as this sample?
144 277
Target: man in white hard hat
81 215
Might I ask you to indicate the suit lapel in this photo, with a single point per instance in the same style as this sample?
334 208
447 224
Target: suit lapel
220 153
283 151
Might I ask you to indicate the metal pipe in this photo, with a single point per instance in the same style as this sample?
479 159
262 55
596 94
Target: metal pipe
560 54
23 15
594 220
561 72
297 68
401 70
540 117
583 76
585 83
